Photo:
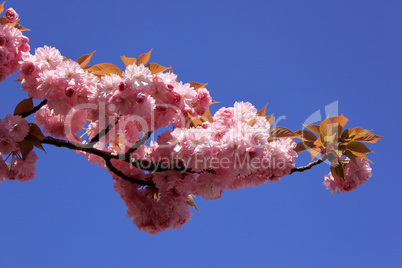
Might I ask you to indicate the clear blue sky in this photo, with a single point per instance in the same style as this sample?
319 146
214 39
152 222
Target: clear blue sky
300 56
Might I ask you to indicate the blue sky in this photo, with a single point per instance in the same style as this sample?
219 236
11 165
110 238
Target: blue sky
300 56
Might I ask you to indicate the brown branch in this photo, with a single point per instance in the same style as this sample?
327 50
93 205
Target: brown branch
104 132
138 163
34 109
128 178
309 166
138 144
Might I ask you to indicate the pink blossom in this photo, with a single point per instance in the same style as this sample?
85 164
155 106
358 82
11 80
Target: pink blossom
11 15
17 127
24 169
48 57
28 68
354 176
7 145
245 111
282 156
210 186
138 77
225 116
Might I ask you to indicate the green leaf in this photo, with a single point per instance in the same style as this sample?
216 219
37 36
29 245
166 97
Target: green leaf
24 106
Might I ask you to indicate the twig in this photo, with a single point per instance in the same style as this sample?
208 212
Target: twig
128 178
104 132
34 109
309 166
140 164
138 144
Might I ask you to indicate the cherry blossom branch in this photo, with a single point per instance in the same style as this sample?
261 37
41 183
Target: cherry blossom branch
138 163
104 132
34 109
138 144
310 165
110 166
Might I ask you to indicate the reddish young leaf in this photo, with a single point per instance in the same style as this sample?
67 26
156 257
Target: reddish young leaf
366 136
197 85
262 111
269 118
190 201
195 121
281 132
2 7
303 146
34 130
350 155
3 21
35 141
128 61
341 120
251 122
207 116
26 147
144 58
306 135
25 105
21 28
325 127
156 68
84 60
314 128
314 152
357 147
337 172
104 69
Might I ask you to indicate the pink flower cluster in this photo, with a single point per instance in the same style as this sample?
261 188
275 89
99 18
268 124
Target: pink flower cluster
13 46
155 212
149 100
354 176
231 152
14 129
